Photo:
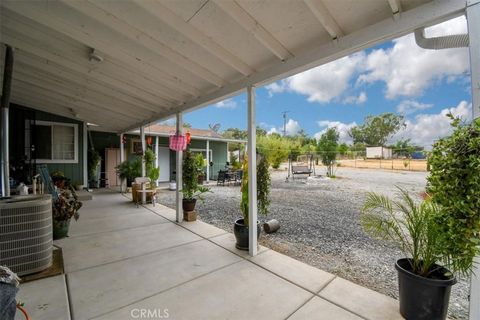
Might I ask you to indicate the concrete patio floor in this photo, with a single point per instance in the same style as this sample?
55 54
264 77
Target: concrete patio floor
122 262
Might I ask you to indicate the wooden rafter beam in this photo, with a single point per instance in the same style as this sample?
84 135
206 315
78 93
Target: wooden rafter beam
254 27
164 14
424 15
143 39
117 77
44 14
395 6
325 18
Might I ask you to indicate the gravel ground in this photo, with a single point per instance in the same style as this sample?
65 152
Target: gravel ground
320 225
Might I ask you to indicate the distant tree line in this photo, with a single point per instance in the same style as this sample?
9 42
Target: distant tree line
375 131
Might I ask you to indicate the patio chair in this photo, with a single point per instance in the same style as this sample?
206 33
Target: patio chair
221 178
238 177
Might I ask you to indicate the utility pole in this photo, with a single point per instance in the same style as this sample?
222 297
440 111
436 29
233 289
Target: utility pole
285 122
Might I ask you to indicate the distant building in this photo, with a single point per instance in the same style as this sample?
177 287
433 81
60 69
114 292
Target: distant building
379 153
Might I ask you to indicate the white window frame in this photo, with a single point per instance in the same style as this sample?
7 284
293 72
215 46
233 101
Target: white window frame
75 142
203 150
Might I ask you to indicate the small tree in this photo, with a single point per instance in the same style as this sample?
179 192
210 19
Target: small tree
376 130
327 146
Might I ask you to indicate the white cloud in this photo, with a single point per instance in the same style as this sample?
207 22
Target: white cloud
276 87
412 106
424 129
408 69
292 127
362 97
226 104
324 83
272 130
342 128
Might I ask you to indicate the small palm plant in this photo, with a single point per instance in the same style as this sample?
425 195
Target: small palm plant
408 224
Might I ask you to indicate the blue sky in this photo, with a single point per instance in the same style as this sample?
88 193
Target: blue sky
396 76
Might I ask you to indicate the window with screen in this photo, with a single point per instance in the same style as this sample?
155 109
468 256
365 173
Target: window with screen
55 142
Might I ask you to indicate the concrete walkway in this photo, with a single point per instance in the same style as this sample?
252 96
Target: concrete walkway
123 262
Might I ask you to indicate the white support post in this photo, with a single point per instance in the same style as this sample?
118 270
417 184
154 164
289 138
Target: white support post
473 20
208 161
144 173
157 162
252 174
122 159
179 160
85 155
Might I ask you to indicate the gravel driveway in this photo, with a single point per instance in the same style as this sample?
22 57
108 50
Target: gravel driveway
320 225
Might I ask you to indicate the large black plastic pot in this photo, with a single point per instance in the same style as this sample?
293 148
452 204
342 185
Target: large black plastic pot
423 298
240 230
188 204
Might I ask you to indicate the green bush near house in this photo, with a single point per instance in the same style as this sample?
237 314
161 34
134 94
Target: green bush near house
454 184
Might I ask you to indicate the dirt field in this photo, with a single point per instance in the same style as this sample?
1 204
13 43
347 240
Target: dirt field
394 164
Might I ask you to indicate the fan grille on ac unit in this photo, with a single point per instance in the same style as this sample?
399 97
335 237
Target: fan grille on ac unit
26 234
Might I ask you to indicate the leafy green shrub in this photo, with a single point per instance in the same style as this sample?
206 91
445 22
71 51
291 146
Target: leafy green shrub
93 163
276 148
454 184
191 189
263 188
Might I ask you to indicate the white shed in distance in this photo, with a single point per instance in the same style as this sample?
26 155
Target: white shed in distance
379 153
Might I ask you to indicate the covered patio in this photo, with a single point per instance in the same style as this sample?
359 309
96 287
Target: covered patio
122 262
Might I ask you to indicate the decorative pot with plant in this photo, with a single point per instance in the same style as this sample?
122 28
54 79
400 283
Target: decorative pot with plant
63 210
94 160
240 228
191 189
441 235
200 162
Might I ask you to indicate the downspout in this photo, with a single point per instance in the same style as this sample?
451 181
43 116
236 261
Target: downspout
443 42
4 131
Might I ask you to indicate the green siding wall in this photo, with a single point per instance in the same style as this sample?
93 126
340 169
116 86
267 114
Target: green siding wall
18 115
219 152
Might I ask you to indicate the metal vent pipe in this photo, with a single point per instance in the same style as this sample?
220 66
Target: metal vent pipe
443 42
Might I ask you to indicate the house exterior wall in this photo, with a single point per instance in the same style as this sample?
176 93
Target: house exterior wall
219 150
18 115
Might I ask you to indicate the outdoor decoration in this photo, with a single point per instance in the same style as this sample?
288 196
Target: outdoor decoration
177 142
191 189
63 210
189 137
240 228
440 232
149 140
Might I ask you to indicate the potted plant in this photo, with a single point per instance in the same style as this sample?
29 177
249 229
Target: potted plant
441 235
200 162
154 174
78 185
240 228
93 163
59 179
191 189
66 207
